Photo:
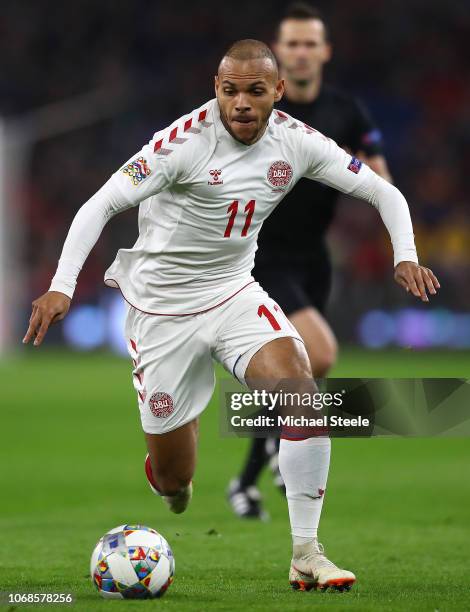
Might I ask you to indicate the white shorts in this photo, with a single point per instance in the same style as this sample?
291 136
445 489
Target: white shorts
172 355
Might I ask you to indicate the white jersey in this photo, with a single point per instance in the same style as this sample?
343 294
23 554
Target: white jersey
203 197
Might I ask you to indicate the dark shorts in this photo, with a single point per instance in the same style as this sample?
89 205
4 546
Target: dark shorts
296 283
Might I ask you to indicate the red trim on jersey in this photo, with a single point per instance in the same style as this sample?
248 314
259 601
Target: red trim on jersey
173 134
185 314
302 433
281 114
134 345
310 127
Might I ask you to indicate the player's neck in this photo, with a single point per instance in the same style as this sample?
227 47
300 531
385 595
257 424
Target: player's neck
302 93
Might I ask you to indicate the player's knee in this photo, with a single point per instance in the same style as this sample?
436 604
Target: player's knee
280 361
322 362
298 367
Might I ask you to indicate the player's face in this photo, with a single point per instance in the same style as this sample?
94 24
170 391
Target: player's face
302 49
246 91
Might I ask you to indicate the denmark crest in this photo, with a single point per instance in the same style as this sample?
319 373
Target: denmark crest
161 405
280 173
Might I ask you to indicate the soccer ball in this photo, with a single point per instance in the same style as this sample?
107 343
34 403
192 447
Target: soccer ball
132 562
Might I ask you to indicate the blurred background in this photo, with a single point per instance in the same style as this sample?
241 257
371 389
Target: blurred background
83 85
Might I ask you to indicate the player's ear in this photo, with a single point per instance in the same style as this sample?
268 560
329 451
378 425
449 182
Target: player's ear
275 48
216 83
327 53
279 90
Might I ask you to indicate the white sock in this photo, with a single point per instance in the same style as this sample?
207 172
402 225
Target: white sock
304 467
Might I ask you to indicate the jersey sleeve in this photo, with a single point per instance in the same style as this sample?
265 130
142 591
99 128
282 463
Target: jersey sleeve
85 230
332 166
364 135
147 173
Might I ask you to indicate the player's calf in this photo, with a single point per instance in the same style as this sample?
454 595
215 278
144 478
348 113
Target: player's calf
177 494
304 458
170 464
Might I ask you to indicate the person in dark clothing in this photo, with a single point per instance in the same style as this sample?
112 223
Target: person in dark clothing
298 275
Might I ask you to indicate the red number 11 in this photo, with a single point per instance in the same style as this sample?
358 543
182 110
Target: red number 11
233 210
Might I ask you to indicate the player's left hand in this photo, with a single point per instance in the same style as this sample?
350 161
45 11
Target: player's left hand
49 308
417 279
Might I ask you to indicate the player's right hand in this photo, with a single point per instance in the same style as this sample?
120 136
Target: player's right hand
47 309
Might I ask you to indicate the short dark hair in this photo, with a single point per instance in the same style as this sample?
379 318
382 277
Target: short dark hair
303 12
248 49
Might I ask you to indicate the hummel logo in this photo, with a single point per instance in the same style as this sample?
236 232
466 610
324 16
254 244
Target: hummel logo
320 494
215 175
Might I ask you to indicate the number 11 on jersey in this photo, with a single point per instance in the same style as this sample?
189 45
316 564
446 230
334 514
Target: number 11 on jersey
233 210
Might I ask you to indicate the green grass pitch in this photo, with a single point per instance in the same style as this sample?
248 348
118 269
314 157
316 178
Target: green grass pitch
396 510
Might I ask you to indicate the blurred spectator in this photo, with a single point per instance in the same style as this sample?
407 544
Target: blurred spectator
407 60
